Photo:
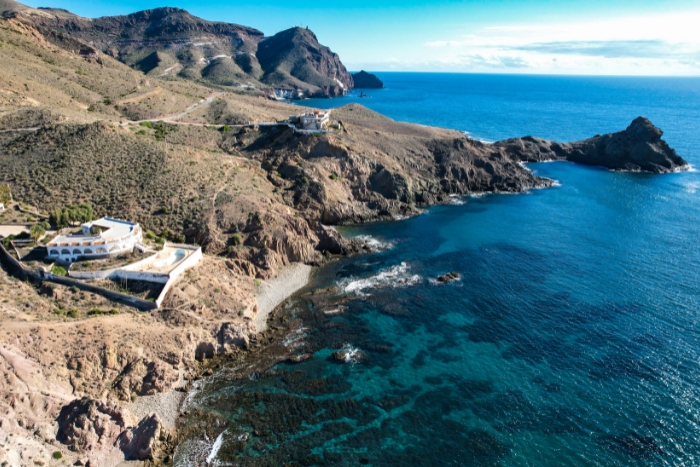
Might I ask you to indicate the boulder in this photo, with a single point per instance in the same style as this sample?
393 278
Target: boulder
142 442
299 358
232 336
449 277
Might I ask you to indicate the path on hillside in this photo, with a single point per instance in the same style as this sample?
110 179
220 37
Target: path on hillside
172 119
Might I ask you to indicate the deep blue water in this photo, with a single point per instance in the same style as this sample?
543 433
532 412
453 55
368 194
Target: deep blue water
573 337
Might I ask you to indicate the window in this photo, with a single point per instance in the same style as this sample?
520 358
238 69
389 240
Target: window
87 251
53 252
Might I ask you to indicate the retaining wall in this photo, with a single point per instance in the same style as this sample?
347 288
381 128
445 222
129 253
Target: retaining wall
190 261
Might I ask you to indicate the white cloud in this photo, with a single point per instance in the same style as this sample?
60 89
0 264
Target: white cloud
661 44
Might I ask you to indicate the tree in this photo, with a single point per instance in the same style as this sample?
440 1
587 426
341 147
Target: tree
36 232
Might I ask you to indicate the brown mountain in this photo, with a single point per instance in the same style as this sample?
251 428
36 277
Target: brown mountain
170 41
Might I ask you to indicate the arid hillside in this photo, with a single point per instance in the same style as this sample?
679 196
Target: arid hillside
170 42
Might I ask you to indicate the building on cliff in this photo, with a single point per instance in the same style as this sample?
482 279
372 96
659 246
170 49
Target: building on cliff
315 120
97 239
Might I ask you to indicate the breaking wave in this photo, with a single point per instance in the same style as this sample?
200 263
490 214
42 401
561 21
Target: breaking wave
373 244
396 276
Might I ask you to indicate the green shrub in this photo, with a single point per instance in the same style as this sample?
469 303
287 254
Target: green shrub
73 313
57 455
98 312
58 271
334 177
181 238
150 235
147 124
107 101
257 282
217 290
225 128
240 313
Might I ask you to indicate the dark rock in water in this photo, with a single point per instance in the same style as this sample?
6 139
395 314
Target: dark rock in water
450 276
637 148
366 80
299 358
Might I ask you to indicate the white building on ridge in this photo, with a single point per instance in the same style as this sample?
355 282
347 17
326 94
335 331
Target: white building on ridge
98 239
315 120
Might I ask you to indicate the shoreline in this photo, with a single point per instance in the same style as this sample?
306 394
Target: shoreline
270 294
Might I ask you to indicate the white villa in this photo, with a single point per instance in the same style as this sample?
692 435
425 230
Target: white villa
315 120
98 239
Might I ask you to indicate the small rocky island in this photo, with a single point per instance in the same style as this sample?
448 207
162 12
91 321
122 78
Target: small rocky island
364 80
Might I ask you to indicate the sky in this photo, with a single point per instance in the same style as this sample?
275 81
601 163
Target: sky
583 37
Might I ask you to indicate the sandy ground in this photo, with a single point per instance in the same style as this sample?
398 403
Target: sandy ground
165 404
7 230
273 292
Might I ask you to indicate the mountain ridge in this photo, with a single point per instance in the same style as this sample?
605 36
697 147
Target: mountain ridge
168 41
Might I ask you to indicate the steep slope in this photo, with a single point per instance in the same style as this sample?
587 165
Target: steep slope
294 59
171 41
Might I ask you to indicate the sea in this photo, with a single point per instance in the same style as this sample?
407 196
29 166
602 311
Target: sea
571 338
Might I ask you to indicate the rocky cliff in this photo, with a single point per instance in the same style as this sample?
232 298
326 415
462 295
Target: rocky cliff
170 41
364 80
295 59
638 148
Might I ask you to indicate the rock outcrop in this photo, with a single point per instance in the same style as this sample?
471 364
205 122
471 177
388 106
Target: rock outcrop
142 442
89 425
637 148
364 80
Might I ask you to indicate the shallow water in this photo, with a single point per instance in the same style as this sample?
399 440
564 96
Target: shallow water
572 337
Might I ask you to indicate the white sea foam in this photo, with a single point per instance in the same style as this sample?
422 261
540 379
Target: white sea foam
396 276
456 199
352 354
373 244
335 311
215 448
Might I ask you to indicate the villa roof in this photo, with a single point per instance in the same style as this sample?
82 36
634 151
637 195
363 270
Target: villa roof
112 230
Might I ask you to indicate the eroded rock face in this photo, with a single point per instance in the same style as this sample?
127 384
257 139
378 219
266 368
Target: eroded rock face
637 148
143 441
143 377
233 336
91 425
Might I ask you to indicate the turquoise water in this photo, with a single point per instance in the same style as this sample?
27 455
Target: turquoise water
572 338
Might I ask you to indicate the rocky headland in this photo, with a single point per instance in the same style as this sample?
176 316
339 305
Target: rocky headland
638 148
259 199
